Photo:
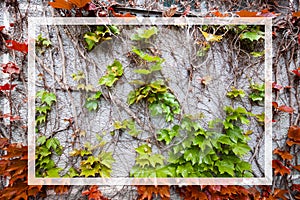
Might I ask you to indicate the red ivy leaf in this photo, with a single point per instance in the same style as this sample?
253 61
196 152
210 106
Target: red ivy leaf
18 46
10 68
11 118
280 168
119 14
275 104
285 108
285 155
297 71
7 86
2 27
296 187
298 38
275 86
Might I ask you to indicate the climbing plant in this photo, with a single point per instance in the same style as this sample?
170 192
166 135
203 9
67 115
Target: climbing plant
285 108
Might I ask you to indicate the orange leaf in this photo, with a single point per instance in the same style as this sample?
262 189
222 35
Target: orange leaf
291 142
94 193
280 168
146 192
267 13
245 13
219 14
296 14
285 155
294 133
285 108
2 27
297 167
3 142
279 193
61 4
61 189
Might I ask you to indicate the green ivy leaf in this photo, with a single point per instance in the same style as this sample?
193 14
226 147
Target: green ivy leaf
105 172
52 142
241 149
225 166
156 159
165 171
243 166
235 133
115 68
91 105
48 98
50 164
72 172
43 151
185 170
108 80
192 155
235 93
155 67
257 54
54 172
155 109
144 34
40 119
224 139
91 39
114 71
146 56
42 109
106 159
255 97
142 71
41 140
143 160
88 172
114 29
144 149
252 35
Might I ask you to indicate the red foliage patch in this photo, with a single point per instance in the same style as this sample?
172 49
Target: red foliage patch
10 68
7 86
279 168
18 46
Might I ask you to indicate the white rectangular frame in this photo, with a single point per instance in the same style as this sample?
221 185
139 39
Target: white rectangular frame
33 22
